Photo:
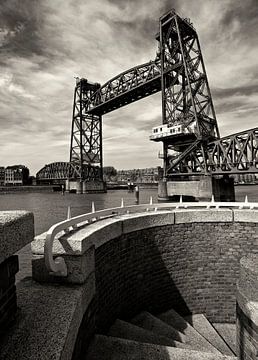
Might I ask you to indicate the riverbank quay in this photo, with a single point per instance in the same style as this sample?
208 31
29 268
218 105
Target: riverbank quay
119 263
29 189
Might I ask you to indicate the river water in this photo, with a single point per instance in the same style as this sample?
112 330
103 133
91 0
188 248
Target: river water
50 208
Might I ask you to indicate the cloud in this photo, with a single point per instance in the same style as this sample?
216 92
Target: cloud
44 44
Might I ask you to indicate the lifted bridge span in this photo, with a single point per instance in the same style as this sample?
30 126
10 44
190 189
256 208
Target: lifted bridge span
189 131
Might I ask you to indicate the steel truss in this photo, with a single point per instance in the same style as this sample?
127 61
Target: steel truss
86 135
178 71
234 154
57 170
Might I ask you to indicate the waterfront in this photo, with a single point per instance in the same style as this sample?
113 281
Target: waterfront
50 208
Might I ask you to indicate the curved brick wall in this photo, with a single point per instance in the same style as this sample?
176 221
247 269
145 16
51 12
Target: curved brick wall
190 266
185 259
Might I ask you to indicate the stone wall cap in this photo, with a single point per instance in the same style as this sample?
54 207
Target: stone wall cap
248 306
250 262
98 233
80 240
16 231
245 215
203 215
146 220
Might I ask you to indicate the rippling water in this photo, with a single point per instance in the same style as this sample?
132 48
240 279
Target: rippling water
50 208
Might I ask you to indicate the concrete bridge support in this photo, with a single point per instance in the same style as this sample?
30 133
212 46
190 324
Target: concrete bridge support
222 187
84 187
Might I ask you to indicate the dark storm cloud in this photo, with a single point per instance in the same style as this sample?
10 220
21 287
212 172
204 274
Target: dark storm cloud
245 13
45 43
245 90
143 26
19 30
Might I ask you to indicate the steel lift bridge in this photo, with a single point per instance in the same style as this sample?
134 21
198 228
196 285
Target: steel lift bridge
189 130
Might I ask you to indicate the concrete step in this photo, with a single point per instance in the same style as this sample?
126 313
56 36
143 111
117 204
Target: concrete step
193 338
152 323
124 330
204 327
109 348
228 333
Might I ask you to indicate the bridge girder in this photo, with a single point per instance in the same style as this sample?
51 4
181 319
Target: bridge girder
178 71
58 171
233 154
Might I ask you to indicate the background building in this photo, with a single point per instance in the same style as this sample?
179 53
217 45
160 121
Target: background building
16 175
2 175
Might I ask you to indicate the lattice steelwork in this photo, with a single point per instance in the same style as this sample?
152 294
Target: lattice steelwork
86 136
57 170
127 87
186 97
178 71
235 154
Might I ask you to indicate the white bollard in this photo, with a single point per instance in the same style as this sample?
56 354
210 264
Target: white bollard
122 202
93 207
151 200
69 213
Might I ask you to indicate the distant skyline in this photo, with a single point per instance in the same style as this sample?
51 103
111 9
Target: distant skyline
44 44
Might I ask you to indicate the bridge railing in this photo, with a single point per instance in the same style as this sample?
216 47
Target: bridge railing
58 267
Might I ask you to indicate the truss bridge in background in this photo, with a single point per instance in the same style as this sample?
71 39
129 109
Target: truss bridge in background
188 131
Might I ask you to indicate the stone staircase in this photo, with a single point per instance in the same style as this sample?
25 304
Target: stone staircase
167 336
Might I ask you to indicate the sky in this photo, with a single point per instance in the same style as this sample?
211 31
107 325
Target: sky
45 44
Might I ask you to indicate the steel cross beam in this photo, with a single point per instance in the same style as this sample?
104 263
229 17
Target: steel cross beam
233 154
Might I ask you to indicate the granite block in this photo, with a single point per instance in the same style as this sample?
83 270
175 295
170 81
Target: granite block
50 317
245 215
16 230
78 267
135 222
8 269
203 215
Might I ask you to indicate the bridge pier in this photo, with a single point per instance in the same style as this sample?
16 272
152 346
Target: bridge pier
222 187
84 187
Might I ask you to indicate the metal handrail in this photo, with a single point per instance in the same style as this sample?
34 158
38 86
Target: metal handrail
58 266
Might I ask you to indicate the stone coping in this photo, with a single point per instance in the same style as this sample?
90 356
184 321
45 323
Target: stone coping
49 319
79 241
247 289
249 307
16 231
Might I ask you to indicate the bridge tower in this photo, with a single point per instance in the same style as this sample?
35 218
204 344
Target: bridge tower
188 115
86 140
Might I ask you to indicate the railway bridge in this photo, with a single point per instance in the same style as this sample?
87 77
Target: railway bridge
192 146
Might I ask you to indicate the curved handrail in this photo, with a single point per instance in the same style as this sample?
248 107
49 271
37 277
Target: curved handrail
58 267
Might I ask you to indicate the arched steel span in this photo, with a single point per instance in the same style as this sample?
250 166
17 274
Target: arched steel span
56 170
61 171
131 85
